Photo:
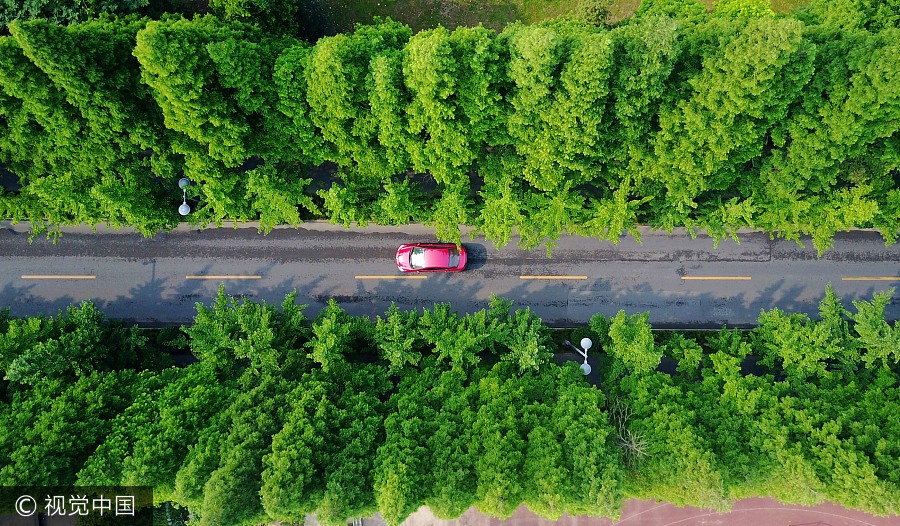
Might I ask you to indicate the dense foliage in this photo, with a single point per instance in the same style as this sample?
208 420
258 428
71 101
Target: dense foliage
281 416
64 12
673 117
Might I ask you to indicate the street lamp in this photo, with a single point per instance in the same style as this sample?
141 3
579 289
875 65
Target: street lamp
586 343
185 208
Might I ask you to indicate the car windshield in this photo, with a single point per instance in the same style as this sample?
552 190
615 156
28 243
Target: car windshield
417 258
454 257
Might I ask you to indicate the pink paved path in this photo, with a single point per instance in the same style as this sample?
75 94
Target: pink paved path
748 512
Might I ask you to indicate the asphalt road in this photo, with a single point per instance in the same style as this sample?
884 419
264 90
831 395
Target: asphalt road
680 281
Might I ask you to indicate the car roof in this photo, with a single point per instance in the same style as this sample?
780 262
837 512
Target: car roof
430 257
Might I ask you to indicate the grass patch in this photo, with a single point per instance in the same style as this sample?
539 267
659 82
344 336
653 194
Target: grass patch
328 17
786 6
779 6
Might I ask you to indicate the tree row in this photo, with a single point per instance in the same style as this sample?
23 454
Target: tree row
281 416
674 117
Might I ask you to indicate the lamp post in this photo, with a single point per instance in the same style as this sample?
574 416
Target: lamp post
586 343
185 208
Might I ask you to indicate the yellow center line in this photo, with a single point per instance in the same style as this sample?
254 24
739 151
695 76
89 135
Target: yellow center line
716 278
553 277
391 277
871 278
57 276
223 277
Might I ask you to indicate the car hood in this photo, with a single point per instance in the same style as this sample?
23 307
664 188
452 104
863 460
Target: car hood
403 257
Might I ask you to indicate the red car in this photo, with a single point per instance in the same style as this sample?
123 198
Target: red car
431 257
